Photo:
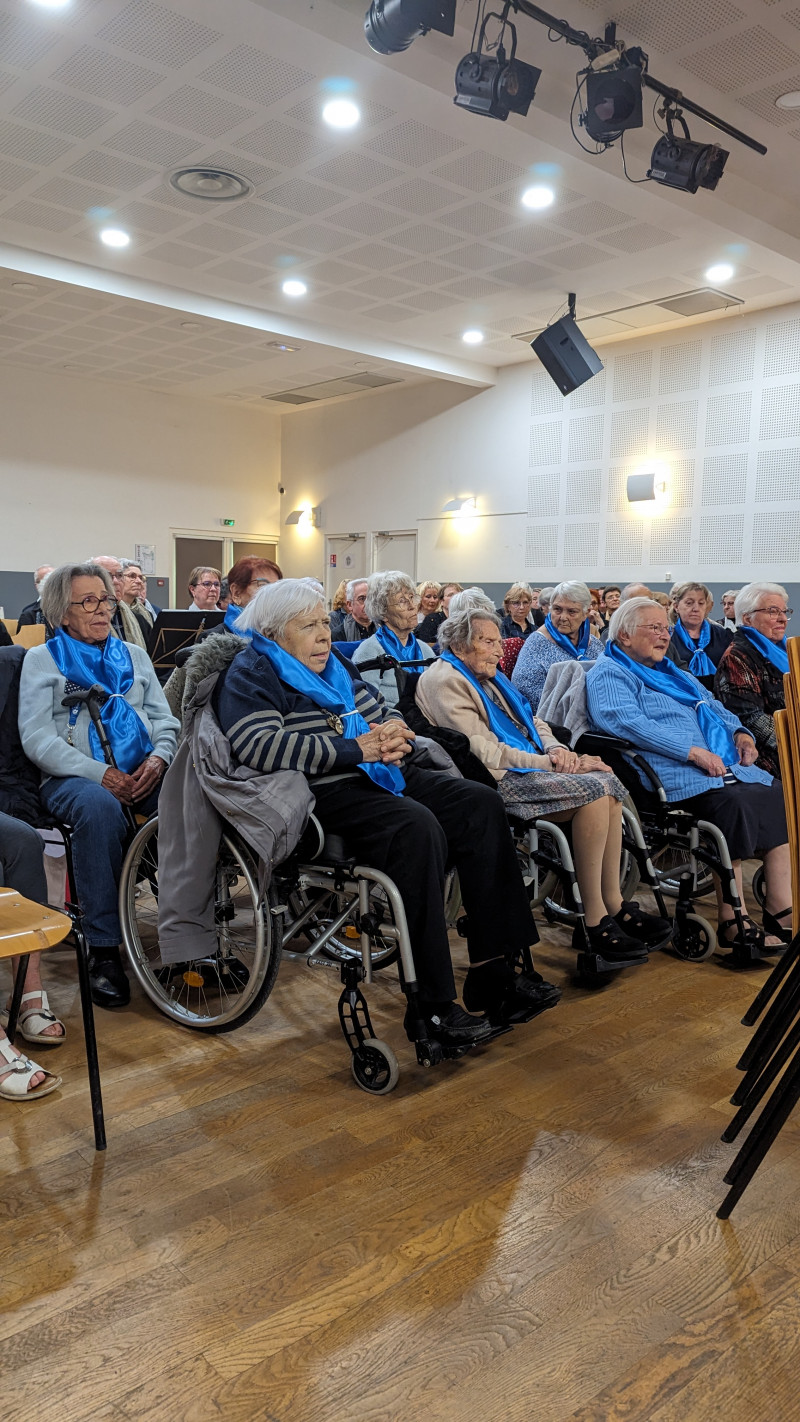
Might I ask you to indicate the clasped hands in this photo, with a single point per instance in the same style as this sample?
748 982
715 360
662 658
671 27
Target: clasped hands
568 762
139 784
386 741
714 764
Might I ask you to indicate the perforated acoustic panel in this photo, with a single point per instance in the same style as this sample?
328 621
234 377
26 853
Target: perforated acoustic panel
719 416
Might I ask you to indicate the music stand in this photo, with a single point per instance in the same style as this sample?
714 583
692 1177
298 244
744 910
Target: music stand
173 631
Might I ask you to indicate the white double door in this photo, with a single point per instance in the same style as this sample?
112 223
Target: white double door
354 555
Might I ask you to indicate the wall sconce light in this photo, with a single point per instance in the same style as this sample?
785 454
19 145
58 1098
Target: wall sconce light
308 517
643 488
468 505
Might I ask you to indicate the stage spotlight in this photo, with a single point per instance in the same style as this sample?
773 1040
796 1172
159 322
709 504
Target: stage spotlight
679 163
392 25
613 101
495 86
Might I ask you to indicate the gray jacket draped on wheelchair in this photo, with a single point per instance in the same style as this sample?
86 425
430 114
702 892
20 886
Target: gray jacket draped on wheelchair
204 793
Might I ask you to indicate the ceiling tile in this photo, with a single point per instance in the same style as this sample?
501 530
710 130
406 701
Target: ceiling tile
105 76
523 274
763 101
39 214
475 257
146 217
353 170
157 145
14 175
591 217
376 255
178 254
254 75
345 301
640 238
580 256
385 287
299 196
120 173
741 58
364 218
670 27
200 112
432 301
77 196
28 144
309 111
24 42
531 239
479 171
255 173
245 272
419 198
413 143
425 239
476 220
337 273
278 143
255 217
474 288
50 108
153 32
389 313
218 238
318 239
428 273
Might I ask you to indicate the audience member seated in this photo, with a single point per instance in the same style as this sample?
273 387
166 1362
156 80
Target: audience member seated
78 787
701 751
728 618
596 619
356 626
517 620
429 626
696 645
430 596
537 776
635 590
565 636
536 611
205 585
391 605
134 596
338 609
6 640
123 623
750 674
287 702
246 578
22 868
31 615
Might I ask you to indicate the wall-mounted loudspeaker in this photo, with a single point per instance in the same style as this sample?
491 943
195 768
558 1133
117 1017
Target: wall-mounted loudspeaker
566 354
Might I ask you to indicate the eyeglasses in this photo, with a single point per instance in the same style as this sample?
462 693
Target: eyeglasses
254 583
519 602
775 611
91 603
656 629
405 601
208 585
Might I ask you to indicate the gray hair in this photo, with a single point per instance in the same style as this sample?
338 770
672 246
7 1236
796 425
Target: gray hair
457 632
626 617
127 563
382 586
573 592
747 598
351 587
471 598
731 592
276 604
56 594
545 597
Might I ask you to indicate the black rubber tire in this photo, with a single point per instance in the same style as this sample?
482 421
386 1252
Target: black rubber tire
375 1067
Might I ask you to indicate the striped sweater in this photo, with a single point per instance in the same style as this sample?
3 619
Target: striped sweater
271 726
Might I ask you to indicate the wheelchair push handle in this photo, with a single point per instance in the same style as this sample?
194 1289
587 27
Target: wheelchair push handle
386 662
93 699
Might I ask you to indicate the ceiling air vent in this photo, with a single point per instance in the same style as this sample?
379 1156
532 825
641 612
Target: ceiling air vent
622 320
329 389
696 303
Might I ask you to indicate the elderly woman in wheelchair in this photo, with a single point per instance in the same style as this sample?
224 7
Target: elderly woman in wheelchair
540 779
704 756
287 702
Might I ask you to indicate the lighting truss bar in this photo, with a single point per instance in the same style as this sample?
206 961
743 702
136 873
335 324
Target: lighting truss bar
593 47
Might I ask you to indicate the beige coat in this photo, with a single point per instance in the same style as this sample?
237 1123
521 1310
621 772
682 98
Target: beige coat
448 699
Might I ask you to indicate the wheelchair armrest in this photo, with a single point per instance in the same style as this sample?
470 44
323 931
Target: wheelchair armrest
561 734
595 742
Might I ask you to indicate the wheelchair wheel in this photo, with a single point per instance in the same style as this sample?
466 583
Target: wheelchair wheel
759 887
225 989
695 940
375 1067
672 861
347 942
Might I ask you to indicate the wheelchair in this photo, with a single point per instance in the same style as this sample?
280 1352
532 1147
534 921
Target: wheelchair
322 908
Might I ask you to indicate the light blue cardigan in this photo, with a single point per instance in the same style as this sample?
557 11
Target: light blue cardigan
619 704
44 722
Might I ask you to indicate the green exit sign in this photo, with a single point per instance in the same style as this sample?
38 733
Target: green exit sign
228 522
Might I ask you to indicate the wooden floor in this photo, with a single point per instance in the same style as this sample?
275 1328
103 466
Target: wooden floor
527 1235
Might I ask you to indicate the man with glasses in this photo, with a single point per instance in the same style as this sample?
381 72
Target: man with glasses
123 623
749 679
204 587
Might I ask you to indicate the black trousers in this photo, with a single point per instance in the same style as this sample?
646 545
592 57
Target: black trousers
439 822
21 859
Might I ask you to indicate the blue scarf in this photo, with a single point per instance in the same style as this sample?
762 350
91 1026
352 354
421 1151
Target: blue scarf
332 690
681 687
700 665
773 652
391 643
501 724
577 653
232 615
109 665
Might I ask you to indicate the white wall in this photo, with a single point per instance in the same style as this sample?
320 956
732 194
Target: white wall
716 406
87 467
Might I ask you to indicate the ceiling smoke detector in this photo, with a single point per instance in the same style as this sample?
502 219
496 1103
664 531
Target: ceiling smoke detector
213 184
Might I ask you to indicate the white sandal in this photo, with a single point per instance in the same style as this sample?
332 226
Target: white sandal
31 1024
15 1085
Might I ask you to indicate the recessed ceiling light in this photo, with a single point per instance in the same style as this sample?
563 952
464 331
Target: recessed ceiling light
341 113
283 347
23 286
537 198
52 4
721 271
293 287
192 326
114 237
472 338
213 184
788 101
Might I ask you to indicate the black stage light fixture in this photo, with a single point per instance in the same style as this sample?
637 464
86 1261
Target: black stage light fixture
392 25
677 162
565 352
614 99
494 85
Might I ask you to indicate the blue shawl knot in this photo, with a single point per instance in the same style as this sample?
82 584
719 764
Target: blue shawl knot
392 645
682 687
579 653
700 664
107 664
773 652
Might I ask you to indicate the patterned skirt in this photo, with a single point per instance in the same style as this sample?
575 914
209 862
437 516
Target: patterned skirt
544 792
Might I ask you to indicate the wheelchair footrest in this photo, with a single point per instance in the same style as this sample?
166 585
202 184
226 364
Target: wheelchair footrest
591 965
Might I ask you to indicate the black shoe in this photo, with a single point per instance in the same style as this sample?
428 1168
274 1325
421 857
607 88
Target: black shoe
608 941
449 1024
505 996
647 928
109 985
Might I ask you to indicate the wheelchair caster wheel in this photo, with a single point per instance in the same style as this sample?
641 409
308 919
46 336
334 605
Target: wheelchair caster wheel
429 1053
695 939
375 1067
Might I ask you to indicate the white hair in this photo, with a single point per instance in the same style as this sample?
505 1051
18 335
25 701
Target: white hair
546 597
471 598
457 632
749 595
573 592
56 594
626 617
276 604
351 587
382 586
